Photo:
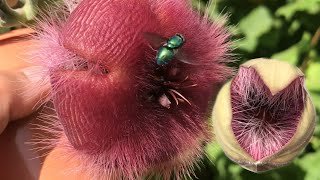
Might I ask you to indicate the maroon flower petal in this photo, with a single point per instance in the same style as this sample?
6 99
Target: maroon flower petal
107 87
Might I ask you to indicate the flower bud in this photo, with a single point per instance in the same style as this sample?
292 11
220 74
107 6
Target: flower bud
264 117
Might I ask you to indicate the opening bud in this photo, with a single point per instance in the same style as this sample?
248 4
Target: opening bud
264 117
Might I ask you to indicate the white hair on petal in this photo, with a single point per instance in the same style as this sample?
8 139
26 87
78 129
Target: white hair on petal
72 4
46 39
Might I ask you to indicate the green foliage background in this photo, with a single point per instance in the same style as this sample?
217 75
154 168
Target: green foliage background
287 30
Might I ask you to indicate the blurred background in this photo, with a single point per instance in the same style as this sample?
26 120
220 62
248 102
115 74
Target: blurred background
287 30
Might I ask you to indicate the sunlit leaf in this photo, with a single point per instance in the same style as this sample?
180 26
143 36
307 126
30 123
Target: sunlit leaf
288 11
311 163
315 142
313 77
293 53
255 24
290 55
315 96
248 44
295 25
213 150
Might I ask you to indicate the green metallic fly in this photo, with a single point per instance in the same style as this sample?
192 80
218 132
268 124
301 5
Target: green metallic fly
167 49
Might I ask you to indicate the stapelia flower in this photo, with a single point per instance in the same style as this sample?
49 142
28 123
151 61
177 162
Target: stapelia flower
264 117
122 114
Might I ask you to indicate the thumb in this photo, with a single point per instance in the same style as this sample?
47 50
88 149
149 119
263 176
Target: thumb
19 97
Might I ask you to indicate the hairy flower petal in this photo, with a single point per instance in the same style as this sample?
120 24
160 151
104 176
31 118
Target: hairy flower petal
108 89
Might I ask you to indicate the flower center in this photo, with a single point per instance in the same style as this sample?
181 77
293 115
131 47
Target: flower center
170 85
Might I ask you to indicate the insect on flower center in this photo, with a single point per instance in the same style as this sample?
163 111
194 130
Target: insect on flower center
170 86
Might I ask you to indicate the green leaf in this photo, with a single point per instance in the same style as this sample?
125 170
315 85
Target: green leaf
313 77
294 27
309 6
272 38
292 54
4 29
315 96
213 150
310 163
219 160
248 44
255 24
235 171
198 5
315 142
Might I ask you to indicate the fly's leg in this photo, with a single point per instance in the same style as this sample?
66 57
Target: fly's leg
173 93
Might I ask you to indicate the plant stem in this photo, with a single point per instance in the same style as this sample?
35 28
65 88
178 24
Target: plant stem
314 41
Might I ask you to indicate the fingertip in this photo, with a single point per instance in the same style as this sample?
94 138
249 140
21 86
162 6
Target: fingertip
58 166
3 121
31 90
4 103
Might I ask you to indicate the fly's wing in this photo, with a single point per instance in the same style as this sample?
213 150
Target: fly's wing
155 40
181 56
